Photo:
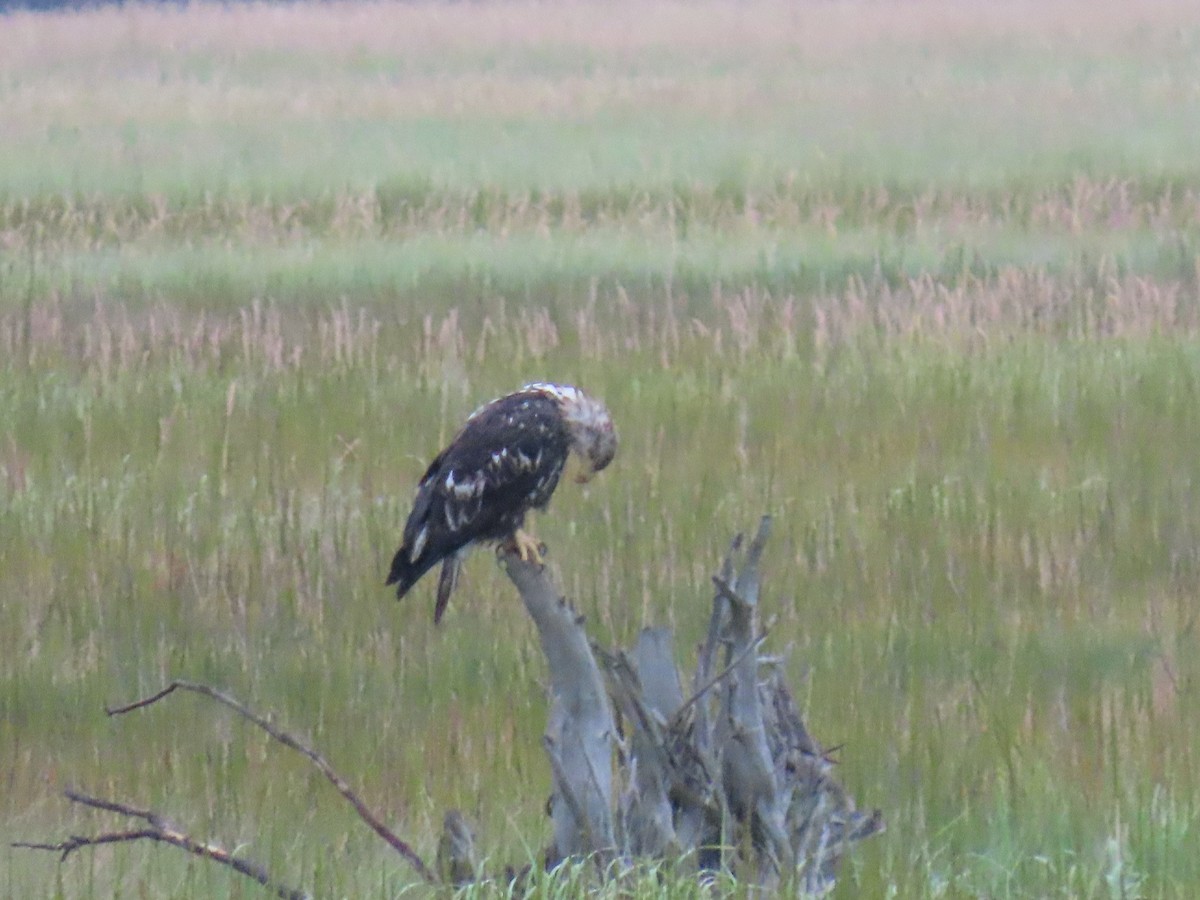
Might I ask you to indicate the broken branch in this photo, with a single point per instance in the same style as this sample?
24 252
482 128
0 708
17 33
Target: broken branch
162 831
343 788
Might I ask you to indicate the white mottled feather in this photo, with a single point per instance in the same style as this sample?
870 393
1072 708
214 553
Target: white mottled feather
419 543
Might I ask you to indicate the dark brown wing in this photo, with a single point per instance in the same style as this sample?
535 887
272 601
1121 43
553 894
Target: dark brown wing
506 460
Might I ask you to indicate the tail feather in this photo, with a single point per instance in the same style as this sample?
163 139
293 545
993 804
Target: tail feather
405 572
451 567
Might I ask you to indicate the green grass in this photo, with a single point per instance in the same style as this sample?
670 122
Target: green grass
922 285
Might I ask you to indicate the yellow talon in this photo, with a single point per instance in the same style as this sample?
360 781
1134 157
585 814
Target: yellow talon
527 547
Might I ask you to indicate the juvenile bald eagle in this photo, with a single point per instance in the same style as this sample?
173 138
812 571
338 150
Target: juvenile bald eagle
504 461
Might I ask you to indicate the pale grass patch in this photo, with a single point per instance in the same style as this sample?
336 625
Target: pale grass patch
41 233
969 311
1012 303
98 37
301 62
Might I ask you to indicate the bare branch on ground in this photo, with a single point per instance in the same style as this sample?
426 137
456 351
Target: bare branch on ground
161 830
394 841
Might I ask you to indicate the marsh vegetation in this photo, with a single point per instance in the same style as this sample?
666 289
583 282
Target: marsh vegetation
921 280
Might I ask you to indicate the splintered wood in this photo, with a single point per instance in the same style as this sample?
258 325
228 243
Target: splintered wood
724 778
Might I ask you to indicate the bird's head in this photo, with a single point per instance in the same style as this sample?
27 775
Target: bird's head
593 437
597 445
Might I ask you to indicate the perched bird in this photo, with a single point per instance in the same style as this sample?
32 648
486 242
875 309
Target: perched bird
504 461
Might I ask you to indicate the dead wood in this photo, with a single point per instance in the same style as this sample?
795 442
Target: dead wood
580 735
728 777
161 830
457 856
343 787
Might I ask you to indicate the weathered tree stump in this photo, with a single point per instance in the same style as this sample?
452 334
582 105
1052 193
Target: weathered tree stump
727 777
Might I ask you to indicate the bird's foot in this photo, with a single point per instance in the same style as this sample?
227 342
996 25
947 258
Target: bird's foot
526 546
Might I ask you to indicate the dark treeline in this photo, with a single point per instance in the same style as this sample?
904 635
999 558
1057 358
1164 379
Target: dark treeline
7 6
57 5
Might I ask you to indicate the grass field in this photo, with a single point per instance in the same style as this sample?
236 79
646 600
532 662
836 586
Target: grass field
920 279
